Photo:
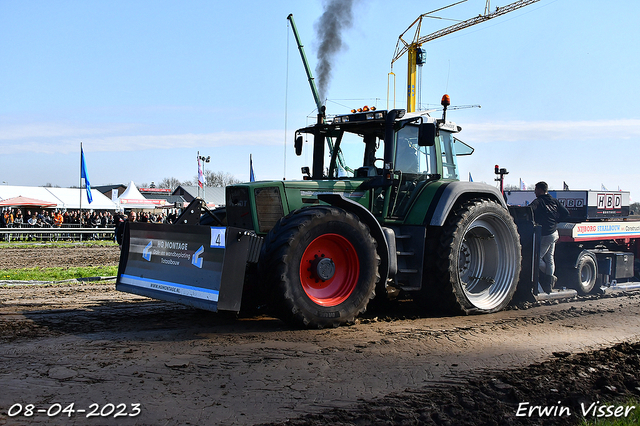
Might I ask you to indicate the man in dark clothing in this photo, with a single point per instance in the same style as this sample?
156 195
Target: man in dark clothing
547 212
120 225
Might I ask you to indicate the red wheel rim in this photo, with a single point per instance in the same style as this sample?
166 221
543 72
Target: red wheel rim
338 288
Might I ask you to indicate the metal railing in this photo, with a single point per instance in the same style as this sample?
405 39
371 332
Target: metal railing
26 232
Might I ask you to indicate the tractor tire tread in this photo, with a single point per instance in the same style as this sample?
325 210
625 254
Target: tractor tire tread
275 262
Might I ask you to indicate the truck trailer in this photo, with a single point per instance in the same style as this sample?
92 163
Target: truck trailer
599 242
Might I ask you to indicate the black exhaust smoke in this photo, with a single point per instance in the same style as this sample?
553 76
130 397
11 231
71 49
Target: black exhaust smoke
337 16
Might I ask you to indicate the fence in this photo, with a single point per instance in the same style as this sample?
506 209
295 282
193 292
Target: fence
28 232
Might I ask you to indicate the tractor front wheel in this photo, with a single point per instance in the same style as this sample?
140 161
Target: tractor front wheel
321 267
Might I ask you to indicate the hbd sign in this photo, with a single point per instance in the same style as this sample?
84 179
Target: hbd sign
609 201
572 203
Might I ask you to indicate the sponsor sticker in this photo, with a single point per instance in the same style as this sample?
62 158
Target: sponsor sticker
218 237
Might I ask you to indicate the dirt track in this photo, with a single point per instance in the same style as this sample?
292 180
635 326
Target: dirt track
86 343
46 257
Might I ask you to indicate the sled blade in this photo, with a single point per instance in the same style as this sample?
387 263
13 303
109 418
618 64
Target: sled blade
189 264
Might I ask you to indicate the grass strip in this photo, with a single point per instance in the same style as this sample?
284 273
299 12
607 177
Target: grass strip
57 273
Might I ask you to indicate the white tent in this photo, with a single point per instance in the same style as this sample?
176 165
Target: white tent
37 192
70 199
65 198
131 198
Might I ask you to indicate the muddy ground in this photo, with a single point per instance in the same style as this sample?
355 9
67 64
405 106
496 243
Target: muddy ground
47 257
85 343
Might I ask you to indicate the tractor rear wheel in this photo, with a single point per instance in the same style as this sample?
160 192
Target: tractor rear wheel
321 267
477 260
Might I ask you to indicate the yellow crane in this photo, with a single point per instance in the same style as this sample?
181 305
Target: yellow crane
415 52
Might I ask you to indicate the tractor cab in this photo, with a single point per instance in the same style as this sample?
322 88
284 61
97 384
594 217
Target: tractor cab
395 154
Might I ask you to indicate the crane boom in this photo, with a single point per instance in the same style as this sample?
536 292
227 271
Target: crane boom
402 46
412 48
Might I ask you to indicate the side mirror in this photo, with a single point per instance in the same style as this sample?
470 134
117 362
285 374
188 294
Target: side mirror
298 145
427 134
306 172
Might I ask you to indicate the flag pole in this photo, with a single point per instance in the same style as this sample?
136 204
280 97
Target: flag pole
252 176
80 190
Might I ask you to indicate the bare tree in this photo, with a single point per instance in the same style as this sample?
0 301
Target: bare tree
220 179
509 187
217 179
170 183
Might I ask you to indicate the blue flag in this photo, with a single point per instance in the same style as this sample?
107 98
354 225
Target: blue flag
470 178
252 177
83 175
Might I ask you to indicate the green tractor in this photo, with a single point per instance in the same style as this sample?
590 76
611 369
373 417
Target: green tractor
380 213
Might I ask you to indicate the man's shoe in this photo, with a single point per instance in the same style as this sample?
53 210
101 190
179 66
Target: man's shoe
546 282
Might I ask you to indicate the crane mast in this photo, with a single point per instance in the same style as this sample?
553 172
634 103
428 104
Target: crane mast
413 47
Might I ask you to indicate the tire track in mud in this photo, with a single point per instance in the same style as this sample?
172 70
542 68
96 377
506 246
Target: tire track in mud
39 311
604 378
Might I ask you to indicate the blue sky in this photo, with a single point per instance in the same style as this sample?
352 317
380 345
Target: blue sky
145 85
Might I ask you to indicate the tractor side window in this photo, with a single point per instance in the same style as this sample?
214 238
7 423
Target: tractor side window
411 158
449 162
427 159
413 166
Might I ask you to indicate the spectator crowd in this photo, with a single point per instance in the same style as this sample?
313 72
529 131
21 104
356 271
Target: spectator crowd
19 218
